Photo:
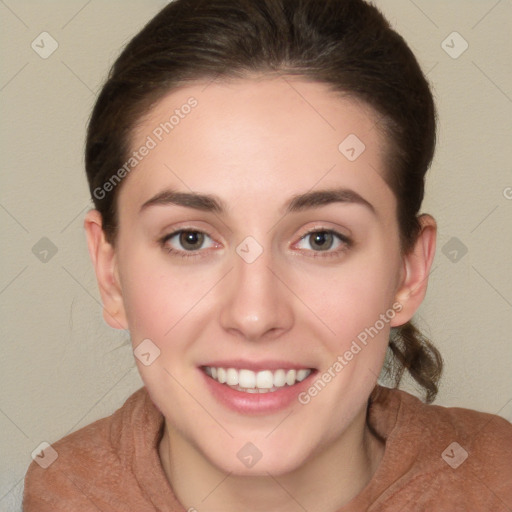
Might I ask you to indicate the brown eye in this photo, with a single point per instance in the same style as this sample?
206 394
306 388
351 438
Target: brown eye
186 241
191 240
325 241
321 240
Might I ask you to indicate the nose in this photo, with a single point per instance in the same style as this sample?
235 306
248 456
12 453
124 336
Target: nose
256 305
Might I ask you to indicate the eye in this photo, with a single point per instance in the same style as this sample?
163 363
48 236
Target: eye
324 241
183 241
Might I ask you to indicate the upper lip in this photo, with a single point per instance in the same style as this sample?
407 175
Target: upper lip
256 366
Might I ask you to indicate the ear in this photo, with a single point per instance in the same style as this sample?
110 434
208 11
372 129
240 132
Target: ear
103 257
415 271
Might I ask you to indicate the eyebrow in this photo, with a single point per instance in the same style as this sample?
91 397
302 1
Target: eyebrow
325 197
301 202
204 202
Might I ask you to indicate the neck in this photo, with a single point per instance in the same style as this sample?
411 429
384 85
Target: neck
325 482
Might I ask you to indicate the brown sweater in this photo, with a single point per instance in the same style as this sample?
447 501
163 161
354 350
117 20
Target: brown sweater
113 463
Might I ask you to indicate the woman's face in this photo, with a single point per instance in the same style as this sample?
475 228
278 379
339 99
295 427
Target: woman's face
287 265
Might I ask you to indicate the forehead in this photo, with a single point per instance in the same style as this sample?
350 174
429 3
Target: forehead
259 137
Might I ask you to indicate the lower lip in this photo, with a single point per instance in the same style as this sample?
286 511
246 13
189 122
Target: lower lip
256 403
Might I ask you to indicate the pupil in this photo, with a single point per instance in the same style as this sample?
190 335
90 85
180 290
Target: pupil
322 240
191 240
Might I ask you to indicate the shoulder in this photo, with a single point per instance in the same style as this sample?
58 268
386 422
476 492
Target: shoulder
87 466
453 454
482 432
407 412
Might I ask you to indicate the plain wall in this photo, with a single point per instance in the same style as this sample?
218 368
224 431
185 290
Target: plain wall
62 367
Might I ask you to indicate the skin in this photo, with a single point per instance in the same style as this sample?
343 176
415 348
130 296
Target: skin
255 143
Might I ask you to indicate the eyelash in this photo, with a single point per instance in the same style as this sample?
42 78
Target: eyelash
182 254
347 243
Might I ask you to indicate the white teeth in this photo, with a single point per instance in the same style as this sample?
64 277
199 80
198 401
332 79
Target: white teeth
290 377
264 379
232 377
302 374
256 382
279 378
221 375
247 379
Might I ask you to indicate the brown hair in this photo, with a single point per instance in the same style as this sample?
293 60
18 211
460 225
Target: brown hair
346 44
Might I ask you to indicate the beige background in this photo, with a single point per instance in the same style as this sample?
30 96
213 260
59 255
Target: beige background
62 367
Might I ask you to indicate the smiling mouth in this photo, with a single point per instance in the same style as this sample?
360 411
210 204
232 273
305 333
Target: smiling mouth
264 381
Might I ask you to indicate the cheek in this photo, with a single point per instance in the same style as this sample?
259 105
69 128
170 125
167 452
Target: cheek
350 299
147 312
165 302
154 296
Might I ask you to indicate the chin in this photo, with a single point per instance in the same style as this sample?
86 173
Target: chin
258 458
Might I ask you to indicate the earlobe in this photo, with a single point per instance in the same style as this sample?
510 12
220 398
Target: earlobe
415 271
103 257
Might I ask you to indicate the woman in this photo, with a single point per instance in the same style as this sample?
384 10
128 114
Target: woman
257 169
